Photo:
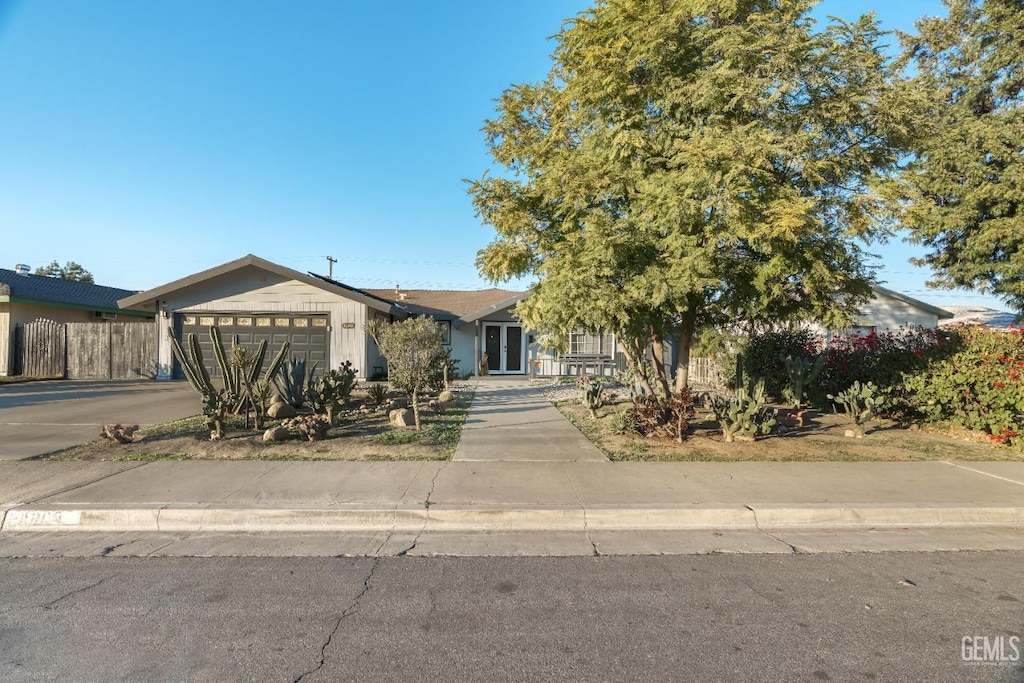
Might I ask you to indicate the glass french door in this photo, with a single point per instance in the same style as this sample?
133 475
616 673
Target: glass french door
503 344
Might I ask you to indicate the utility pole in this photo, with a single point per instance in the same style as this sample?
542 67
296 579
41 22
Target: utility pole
330 266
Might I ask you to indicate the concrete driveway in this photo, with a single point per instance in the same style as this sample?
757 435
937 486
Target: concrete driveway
42 417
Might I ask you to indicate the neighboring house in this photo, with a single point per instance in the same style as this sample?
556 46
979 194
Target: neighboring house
25 297
890 310
979 315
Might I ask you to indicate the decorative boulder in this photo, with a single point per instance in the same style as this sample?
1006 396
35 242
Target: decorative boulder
402 417
281 411
279 433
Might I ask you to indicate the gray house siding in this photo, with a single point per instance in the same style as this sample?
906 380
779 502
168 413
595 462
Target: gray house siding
254 290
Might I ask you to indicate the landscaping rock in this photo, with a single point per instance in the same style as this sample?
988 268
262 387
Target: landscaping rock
398 404
281 411
402 417
279 433
436 406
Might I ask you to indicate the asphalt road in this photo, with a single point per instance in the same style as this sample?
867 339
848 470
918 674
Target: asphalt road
843 617
42 417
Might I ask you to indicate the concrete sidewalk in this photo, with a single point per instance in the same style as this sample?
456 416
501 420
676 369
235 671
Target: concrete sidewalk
511 420
415 497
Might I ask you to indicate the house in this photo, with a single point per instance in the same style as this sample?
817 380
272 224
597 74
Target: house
324 320
889 310
475 324
25 297
979 315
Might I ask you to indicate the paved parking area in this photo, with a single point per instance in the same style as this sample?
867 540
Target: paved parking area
42 417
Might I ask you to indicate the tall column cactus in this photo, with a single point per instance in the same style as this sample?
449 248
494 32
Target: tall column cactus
234 397
800 372
215 401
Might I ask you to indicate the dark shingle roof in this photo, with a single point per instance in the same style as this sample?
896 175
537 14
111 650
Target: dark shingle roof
55 290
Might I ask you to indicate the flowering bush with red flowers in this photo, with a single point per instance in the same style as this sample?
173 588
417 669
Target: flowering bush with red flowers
979 386
882 359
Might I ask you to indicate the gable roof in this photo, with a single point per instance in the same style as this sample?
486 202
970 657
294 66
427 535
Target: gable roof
53 291
451 304
148 297
934 310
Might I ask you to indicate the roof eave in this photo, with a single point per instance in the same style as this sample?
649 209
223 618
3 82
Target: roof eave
149 297
493 308
934 310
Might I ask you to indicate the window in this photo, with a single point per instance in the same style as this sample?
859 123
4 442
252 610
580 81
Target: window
582 343
861 331
446 331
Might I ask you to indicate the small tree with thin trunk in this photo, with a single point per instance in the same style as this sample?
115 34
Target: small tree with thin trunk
411 347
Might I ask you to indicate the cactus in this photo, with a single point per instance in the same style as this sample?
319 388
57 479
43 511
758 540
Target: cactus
215 401
801 372
862 403
227 368
292 379
446 396
745 415
377 393
328 393
241 366
590 393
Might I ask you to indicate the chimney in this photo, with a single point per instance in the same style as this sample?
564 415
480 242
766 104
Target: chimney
22 269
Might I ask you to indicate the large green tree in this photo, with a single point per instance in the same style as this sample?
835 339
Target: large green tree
692 162
964 190
69 271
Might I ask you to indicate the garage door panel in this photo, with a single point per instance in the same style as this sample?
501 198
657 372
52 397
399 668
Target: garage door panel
306 334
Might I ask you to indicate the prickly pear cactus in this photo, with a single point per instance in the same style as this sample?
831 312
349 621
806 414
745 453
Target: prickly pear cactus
744 416
862 403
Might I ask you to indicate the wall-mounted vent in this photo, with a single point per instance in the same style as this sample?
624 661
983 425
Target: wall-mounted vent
102 315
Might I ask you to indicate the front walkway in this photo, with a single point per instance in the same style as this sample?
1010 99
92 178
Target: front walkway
511 420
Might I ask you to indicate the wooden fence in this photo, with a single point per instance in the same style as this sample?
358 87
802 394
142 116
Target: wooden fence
707 372
99 350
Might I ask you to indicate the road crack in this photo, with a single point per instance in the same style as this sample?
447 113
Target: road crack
586 517
426 504
757 524
347 612
52 603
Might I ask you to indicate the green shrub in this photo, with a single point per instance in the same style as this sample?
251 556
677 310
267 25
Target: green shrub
621 423
764 357
978 387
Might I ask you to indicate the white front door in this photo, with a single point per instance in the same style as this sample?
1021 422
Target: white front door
504 348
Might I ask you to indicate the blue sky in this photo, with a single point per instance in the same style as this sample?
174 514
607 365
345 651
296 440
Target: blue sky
151 140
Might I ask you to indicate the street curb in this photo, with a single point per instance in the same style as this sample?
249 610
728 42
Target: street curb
446 518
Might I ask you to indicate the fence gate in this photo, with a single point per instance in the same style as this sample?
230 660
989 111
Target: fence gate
98 350
43 348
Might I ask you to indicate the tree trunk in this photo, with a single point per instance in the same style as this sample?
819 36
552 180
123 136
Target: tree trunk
686 329
416 408
658 363
637 367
